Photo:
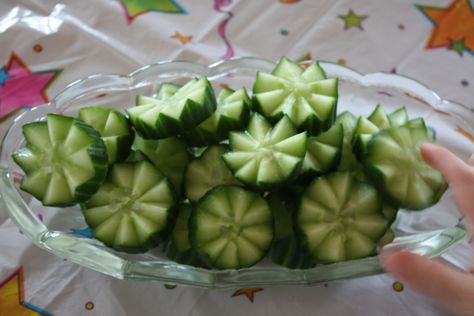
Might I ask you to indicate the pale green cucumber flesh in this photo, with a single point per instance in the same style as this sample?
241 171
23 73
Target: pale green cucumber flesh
133 209
264 156
393 160
206 172
65 160
340 218
169 155
114 129
231 227
305 96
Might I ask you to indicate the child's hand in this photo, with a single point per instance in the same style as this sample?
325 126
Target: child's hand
451 286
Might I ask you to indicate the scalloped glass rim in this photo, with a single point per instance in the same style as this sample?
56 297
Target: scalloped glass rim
85 253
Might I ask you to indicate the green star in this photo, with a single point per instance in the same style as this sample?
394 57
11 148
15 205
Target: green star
352 20
134 8
457 46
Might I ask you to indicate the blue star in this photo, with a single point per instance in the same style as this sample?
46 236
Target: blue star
4 76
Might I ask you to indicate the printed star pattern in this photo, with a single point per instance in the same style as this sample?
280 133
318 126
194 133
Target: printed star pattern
12 300
21 87
248 291
182 38
352 20
453 27
134 8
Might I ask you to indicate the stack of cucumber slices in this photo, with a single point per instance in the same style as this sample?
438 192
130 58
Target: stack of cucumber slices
222 182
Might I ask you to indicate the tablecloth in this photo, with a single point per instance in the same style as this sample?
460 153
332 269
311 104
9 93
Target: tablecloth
45 45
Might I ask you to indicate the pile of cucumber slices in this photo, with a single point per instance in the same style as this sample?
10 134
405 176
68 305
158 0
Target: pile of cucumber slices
221 182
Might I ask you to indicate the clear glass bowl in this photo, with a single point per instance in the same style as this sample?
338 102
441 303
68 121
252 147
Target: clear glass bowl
63 231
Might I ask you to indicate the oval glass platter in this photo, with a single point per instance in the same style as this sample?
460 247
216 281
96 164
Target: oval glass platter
63 231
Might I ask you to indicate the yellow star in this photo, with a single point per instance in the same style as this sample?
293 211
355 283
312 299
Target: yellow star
12 301
182 38
453 26
247 291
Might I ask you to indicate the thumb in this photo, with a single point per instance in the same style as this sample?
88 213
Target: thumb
453 287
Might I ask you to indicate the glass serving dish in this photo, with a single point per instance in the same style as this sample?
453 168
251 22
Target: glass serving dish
63 231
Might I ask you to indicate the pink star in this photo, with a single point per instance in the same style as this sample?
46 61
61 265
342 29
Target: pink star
23 88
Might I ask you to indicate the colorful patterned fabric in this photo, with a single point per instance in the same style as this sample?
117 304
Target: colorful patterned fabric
46 45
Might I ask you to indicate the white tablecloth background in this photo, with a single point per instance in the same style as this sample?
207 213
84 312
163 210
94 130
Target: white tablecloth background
70 40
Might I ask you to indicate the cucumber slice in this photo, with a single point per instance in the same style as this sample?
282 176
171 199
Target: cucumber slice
179 248
379 118
207 172
348 160
393 161
390 212
398 117
286 250
362 135
231 227
184 110
134 208
167 89
340 218
169 155
376 121
114 129
64 159
232 113
304 95
265 156
323 152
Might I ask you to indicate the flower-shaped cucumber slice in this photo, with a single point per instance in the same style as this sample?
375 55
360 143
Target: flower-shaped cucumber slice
206 172
231 227
340 218
232 113
393 161
264 156
114 129
184 110
305 95
323 152
169 155
179 248
133 209
64 159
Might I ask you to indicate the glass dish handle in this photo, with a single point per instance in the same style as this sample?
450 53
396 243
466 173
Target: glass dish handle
431 244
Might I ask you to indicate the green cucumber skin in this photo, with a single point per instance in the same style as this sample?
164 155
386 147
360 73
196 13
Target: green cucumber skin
98 155
289 253
200 137
188 257
125 141
193 113
286 249
193 228
313 125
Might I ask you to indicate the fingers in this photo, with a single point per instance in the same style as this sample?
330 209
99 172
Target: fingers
471 160
452 287
450 165
457 173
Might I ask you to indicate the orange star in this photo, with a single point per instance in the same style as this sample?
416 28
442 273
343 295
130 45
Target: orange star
451 24
182 38
247 291
12 298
